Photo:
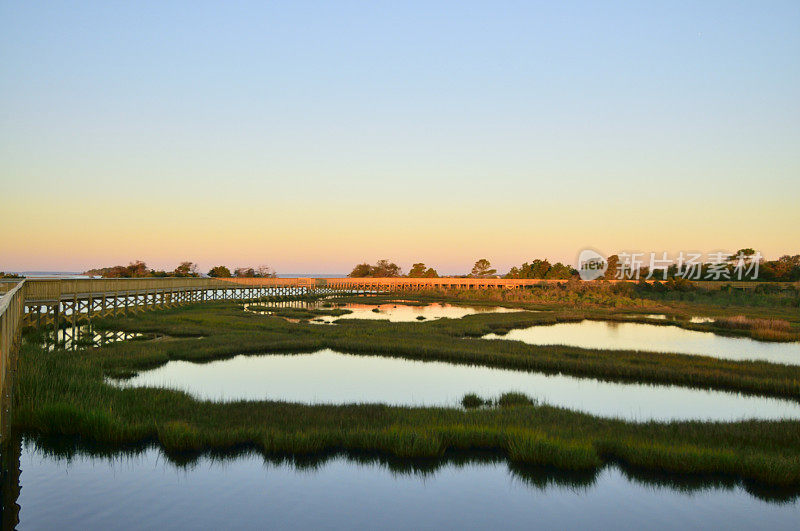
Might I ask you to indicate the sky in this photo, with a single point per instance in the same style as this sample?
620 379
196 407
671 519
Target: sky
311 136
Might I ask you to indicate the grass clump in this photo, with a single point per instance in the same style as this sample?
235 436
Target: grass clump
515 399
473 401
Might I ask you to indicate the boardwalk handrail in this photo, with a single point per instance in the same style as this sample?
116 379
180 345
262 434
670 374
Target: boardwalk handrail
12 309
55 289
406 283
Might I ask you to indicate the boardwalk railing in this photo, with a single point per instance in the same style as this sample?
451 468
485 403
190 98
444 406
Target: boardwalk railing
57 289
458 283
12 309
56 301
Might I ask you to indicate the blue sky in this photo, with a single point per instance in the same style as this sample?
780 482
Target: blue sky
418 122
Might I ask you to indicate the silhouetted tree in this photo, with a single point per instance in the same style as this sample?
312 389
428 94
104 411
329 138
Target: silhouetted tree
383 268
536 269
361 271
419 270
483 269
219 272
186 269
561 271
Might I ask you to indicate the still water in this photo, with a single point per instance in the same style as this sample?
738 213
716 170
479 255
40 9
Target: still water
404 312
329 377
611 335
394 312
148 491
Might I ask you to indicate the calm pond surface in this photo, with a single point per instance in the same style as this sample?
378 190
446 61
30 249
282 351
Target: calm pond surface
147 491
612 335
329 377
394 311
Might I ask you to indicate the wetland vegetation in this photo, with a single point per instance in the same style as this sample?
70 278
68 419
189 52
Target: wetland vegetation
65 393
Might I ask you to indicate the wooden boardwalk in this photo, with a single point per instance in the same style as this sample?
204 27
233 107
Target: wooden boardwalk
68 302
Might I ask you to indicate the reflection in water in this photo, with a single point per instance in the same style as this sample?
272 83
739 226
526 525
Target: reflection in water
86 336
334 378
146 489
394 311
406 313
663 317
654 338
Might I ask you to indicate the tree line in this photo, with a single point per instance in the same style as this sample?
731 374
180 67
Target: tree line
481 269
139 269
784 269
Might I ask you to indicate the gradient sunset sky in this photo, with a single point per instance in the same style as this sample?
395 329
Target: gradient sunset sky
314 135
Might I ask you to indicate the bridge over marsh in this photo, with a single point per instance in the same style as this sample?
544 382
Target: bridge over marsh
56 303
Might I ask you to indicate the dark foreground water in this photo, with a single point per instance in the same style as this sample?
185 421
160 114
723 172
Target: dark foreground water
329 377
148 491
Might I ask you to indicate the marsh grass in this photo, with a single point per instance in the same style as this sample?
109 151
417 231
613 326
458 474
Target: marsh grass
473 401
65 393
763 329
515 399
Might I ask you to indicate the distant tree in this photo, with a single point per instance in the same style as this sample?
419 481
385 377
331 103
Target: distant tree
265 271
483 269
419 270
10 275
746 253
361 271
561 271
244 272
613 264
133 269
219 272
539 269
186 269
383 268
784 269
536 269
